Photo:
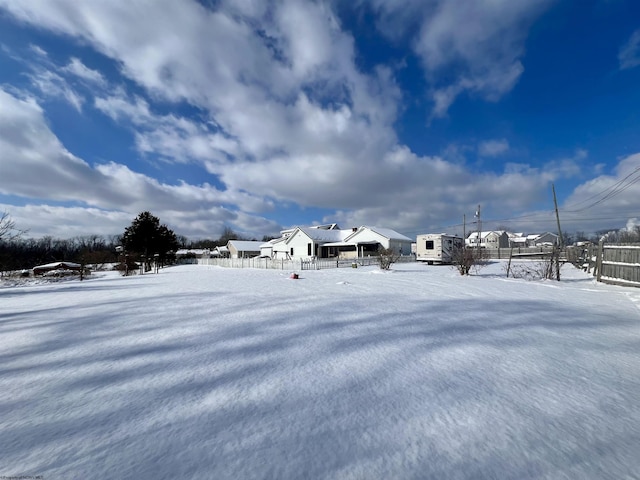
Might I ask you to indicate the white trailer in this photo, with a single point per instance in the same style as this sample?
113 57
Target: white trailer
437 247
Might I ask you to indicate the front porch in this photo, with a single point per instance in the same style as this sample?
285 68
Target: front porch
342 250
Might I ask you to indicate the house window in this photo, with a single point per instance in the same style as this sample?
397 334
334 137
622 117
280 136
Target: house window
429 245
308 249
292 251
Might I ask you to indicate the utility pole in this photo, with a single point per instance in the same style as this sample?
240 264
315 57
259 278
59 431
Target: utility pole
555 203
464 226
479 226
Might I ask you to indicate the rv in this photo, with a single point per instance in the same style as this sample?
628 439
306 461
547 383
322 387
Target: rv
437 247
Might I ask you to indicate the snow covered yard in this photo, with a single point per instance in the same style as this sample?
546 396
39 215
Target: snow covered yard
204 372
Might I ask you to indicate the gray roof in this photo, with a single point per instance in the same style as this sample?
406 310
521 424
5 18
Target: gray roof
245 245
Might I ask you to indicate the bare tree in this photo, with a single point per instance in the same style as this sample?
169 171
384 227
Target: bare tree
465 259
8 230
228 234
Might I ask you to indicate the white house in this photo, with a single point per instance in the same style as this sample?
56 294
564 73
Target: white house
305 242
267 248
221 251
365 241
329 241
243 248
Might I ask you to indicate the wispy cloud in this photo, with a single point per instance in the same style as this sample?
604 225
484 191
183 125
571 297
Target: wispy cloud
79 69
51 85
629 54
493 148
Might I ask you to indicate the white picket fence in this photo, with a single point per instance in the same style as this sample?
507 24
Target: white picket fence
297 264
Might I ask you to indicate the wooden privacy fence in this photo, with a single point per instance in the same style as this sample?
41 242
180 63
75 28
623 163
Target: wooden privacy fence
618 264
522 252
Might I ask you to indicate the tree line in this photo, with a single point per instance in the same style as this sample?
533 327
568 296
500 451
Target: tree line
144 241
20 253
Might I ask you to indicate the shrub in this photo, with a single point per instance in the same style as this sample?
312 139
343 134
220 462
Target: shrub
466 259
386 257
547 268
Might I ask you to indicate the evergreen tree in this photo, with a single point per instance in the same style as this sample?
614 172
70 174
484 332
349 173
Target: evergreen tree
146 236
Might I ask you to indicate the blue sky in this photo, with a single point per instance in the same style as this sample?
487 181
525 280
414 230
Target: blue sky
262 115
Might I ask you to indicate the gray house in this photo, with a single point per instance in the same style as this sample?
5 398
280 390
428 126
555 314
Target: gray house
543 239
490 239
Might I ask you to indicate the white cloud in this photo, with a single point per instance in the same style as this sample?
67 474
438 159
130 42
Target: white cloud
629 54
52 85
67 222
566 167
119 106
34 164
55 82
607 199
38 50
493 148
79 69
305 40
471 46
32 156
172 137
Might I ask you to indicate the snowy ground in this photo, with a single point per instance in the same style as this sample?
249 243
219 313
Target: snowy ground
203 372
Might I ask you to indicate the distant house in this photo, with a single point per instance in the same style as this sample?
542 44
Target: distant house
221 251
243 248
62 267
489 239
517 240
192 253
542 239
329 241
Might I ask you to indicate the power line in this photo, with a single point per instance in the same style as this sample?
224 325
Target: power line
612 190
543 217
